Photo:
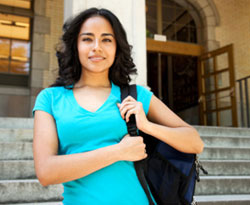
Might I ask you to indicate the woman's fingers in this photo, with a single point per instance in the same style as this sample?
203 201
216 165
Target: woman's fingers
124 109
133 148
130 112
129 98
130 106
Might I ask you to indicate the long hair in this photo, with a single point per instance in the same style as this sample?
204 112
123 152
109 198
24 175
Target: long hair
67 53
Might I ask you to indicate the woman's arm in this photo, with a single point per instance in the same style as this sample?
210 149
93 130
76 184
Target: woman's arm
52 168
163 124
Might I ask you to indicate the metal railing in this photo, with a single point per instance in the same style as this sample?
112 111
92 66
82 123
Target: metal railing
243 87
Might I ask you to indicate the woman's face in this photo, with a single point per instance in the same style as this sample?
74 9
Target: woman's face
96 45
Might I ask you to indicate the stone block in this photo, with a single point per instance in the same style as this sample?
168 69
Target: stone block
208 11
212 45
222 131
38 42
41 25
226 167
40 60
16 123
40 7
210 21
37 78
14 106
227 199
202 3
226 141
28 191
219 153
14 90
18 151
209 33
15 135
17 169
210 185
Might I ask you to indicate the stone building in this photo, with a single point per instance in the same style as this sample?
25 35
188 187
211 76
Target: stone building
180 70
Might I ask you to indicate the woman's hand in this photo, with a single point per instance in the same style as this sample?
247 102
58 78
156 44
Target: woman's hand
132 148
130 106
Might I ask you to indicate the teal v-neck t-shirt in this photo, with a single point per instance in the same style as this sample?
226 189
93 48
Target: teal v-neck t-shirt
79 131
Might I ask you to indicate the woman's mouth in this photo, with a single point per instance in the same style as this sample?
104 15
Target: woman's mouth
96 58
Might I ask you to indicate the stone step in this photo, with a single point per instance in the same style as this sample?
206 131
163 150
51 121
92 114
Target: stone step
223 199
16 135
27 191
222 131
221 185
15 151
15 122
226 141
228 153
24 169
26 135
226 167
17 169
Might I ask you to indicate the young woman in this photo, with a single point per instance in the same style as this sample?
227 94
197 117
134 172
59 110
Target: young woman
80 134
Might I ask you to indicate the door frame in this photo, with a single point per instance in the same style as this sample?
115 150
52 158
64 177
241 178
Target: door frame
204 93
174 47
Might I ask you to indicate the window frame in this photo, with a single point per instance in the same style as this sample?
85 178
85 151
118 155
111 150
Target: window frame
10 79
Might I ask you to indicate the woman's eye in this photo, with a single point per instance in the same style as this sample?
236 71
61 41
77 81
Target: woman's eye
87 39
107 40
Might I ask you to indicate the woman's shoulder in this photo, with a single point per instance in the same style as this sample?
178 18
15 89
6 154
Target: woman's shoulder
53 91
143 90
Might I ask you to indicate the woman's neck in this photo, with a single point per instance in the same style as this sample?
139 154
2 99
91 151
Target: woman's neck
95 80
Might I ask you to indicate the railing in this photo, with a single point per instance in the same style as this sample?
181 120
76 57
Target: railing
243 86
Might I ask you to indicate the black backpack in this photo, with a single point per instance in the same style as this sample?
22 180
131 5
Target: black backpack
170 174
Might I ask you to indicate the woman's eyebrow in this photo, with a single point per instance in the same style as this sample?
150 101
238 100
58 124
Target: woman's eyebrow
91 34
107 34
88 34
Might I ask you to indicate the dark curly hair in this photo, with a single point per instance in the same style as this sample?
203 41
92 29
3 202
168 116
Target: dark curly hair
67 53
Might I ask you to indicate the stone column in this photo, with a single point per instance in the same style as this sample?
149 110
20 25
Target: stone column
131 13
40 58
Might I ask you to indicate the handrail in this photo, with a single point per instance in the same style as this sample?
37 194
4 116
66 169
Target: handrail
244 78
240 81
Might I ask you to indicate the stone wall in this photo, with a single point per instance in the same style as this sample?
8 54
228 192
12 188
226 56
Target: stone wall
47 28
54 11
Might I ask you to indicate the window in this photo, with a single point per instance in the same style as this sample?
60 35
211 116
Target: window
17 3
15 45
176 22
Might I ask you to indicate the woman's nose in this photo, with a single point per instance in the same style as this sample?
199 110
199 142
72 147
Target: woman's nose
97 45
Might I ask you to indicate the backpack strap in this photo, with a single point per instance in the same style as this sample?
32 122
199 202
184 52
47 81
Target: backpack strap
132 130
131 124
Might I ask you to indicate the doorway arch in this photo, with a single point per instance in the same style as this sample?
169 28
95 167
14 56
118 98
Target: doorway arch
205 18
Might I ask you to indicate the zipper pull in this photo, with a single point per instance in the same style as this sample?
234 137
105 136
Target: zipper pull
203 170
197 169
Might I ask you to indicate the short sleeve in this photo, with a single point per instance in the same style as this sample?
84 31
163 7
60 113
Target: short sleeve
43 102
144 96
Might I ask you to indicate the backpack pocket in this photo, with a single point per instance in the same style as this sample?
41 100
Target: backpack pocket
165 181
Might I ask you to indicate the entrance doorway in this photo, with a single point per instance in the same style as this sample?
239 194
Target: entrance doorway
172 65
179 89
179 83
198 86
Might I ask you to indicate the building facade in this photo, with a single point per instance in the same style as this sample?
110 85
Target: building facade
30 31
